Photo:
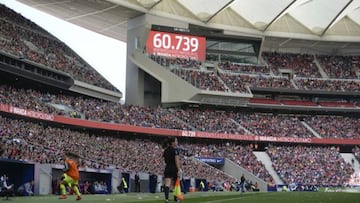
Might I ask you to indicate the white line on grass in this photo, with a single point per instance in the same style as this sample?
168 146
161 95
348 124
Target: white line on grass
230 199
224 200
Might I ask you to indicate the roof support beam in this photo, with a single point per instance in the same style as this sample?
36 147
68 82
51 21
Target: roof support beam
284 42
53 3
336 17
278 15
221 9
154 5
92 13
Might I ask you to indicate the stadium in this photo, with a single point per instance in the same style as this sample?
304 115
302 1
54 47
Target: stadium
268 90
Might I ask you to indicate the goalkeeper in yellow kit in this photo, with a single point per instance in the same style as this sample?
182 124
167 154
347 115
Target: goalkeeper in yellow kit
71 175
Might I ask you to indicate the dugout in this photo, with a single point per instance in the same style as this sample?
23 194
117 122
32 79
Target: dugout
89 175
18 172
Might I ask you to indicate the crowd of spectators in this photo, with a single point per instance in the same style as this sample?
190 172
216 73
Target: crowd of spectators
23 38
223 81
195 168
273 125
234 84
92 109
244 68
340 66
9 15
238 77
176 62
199 119
328 85
206 80
240 154
302 65
210 80
307 166
356 152
234 77
329 126
26 40
24 98
209 120
239 82
26 141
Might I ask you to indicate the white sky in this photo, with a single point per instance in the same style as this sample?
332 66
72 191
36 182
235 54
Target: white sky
110 60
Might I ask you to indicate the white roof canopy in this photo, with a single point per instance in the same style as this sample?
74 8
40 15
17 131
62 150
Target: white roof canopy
320 20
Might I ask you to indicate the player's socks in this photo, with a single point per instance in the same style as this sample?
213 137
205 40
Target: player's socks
166 191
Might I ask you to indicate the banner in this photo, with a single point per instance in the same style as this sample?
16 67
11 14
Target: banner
169 132
212 160
340 189
30 113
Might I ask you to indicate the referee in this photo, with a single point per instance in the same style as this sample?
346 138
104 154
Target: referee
172 165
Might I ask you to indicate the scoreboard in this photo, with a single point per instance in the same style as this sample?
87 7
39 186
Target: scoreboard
202 43
176 45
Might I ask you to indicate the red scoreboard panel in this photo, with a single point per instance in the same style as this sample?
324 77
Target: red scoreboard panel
176 45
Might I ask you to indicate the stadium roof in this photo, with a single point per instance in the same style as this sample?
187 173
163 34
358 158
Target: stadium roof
279 21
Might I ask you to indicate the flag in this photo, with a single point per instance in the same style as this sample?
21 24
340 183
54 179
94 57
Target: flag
177 189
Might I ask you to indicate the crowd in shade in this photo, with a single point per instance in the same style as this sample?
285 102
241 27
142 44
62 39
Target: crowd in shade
258 81
302 65
265 81
176 62
206 80
244 68
340 66
238 78
307 165
328 85
24 39
234 84
199 119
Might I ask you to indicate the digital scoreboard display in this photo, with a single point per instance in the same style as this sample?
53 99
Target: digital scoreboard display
176 45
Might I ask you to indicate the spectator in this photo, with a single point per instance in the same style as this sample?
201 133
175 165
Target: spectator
242 183
26 189
6 189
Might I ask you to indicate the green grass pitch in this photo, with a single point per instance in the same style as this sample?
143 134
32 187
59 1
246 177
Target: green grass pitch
204 197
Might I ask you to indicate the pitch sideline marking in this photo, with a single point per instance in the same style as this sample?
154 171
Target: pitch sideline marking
229 199
224 200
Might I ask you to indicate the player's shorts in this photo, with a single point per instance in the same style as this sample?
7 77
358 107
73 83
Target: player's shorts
69 180
171 172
